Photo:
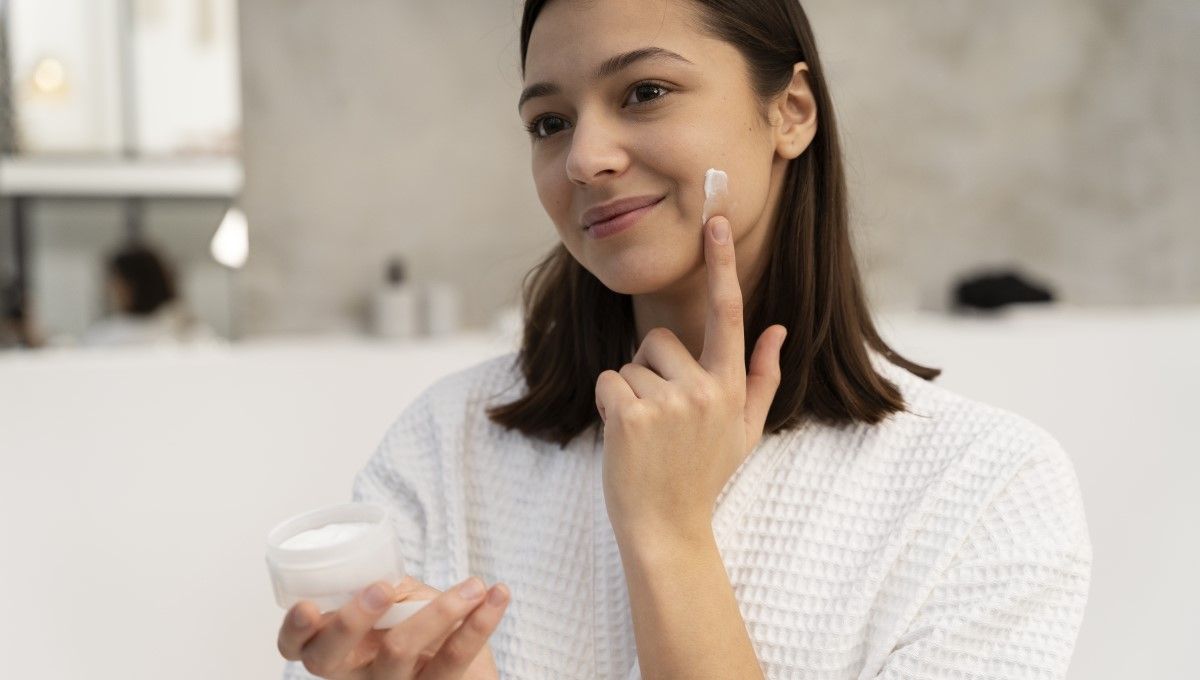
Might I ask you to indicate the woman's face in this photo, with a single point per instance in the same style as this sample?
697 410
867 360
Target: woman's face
646 128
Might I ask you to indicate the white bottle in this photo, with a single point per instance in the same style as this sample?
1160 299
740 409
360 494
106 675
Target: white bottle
441 309
394 307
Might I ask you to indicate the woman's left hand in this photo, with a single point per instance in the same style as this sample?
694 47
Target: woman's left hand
675 430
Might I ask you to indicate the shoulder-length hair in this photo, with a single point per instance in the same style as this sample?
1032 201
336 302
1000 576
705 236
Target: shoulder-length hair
575 327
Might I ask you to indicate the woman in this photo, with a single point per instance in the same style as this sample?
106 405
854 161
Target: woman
145 309
670 487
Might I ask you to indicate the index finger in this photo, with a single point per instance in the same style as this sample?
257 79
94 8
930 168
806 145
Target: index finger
724 352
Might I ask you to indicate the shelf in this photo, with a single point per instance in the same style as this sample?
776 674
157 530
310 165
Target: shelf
117 178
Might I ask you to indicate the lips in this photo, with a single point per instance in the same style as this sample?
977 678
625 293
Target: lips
612 209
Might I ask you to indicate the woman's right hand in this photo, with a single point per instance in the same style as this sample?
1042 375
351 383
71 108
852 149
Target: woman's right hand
446 639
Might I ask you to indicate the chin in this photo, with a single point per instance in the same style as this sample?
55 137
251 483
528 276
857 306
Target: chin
637 276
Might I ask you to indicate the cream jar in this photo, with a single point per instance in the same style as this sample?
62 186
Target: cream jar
330 554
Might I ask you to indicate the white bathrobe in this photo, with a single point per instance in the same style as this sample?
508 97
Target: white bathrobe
945 542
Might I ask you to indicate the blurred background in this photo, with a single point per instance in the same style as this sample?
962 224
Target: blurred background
237 238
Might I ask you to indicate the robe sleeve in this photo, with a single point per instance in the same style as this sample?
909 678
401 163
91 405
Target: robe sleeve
1010 603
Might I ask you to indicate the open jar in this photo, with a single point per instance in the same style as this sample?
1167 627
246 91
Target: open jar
329 554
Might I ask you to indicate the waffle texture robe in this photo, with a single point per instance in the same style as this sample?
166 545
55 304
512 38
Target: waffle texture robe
948 541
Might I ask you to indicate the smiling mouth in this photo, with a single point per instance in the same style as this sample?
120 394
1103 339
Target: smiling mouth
618 216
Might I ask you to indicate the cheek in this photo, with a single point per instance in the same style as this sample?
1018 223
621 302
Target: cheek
553 188
674 159
730 143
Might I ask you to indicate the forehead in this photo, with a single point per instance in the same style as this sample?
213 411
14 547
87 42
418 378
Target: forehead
572 36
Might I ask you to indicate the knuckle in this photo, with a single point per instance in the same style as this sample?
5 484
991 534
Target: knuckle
340 625
447 606
659 334
701 396
634 415
478 626
601 379
676 401
456 651
397 650
731 311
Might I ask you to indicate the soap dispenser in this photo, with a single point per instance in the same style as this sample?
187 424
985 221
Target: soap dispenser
394 305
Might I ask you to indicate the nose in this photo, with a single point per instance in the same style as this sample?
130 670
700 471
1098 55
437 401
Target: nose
596 152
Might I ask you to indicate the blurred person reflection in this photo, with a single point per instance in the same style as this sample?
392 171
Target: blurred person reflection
144 308
18 328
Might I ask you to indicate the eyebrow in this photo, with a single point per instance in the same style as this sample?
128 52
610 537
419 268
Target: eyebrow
610 66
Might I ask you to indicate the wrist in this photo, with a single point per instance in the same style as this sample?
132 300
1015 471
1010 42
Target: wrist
659 542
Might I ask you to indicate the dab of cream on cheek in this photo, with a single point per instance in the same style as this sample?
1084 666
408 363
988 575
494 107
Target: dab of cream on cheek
716 194
322 537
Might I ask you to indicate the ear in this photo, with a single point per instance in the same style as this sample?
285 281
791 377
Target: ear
794 113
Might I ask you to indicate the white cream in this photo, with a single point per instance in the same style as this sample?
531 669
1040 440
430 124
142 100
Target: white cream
359 548
322 537
716 193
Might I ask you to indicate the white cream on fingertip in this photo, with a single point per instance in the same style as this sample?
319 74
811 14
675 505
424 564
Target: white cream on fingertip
716 191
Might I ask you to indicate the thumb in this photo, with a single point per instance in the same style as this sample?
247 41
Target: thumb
763 379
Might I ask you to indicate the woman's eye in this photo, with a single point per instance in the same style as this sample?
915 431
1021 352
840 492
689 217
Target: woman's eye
646 92
545 126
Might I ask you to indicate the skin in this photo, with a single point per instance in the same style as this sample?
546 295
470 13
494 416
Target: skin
608 140
445 639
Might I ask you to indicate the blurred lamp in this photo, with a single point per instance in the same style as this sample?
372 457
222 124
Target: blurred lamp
231 244
49 77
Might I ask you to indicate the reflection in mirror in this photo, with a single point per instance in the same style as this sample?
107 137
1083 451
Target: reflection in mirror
119 134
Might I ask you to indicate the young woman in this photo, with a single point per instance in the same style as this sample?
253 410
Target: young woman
144 308
660 483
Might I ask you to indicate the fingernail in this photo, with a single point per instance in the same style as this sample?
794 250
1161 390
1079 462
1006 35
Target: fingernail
376 597
496 597
471 589
299 620
720 230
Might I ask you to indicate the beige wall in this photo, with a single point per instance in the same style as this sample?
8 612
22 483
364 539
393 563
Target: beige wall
1063 138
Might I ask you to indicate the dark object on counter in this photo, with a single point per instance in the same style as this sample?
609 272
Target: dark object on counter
997 289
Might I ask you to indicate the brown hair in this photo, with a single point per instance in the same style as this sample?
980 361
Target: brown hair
146 274
575 328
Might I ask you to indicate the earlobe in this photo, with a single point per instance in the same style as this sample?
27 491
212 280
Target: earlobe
797 109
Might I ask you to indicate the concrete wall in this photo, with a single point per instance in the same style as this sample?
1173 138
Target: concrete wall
1062 138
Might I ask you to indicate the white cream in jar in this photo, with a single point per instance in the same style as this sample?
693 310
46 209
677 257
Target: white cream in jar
327 556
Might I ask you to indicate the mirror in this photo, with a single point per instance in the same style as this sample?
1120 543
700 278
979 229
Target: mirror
120 160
